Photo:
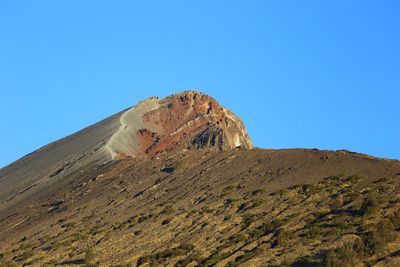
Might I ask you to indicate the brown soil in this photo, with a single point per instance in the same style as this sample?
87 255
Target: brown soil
206 207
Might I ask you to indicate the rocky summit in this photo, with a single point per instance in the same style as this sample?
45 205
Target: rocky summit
182 121
177 182
187 120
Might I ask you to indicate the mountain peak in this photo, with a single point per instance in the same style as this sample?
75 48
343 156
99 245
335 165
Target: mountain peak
185 120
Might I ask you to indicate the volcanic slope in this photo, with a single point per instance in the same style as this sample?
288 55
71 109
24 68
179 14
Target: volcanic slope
185 120
189 190
204 208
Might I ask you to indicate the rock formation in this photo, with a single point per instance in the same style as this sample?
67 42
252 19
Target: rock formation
138 189
186 120
181 121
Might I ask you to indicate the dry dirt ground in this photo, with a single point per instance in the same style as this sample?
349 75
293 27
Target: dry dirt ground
212 208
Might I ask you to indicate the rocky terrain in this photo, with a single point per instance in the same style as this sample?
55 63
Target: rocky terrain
176 182
186 120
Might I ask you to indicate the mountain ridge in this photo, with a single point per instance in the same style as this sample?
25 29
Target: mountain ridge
178 182
130 208
136 132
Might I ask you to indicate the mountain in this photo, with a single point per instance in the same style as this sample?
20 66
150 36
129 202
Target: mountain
177 182
182 121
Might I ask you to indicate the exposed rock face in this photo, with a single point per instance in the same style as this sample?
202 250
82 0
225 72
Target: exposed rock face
70 195
185 120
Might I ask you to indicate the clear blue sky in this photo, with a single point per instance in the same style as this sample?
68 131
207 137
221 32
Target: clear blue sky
314 74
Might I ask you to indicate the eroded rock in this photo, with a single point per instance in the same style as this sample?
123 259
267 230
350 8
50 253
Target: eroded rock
182 121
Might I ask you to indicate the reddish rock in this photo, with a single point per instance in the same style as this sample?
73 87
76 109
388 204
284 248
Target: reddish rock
182 121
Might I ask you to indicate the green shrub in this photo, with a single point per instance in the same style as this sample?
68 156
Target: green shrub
347 255
256 233
69 225
242 207
338 201
376 239
249 254
332 259
257 192
373 242
146 217
308 188
370 205
230 201
284 236
355 178
314 232
214 259
187 247
206 209
276 223
94 230
229 188
265 228
386 230
321 214
167 211
238 238
157 258
272 225
122 226
77 237
90 258
248 219
194 257
395 219
227 217
254 203
307 260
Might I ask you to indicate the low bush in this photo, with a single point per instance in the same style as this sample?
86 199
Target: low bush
284 236
156 259
348 255
90 258
167 211
248 219
355 178
257 192
230 201
370 205
376 239
245 257
214 259
238 238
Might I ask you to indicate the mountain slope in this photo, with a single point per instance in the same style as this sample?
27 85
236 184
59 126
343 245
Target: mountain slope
38 170
182 121
177 182
247 207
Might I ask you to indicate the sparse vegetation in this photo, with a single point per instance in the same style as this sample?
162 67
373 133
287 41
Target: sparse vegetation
168 210
370 205
342 220
245 257
160 257
230 201
90 258
378 236
284 236
214 259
